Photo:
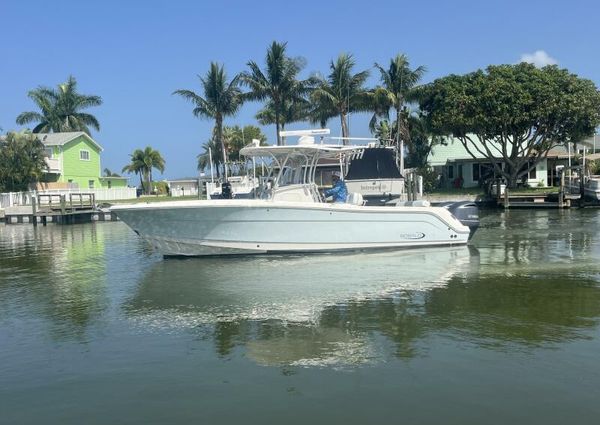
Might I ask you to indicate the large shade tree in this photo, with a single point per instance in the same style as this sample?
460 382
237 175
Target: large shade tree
22 161
278 83
61 109
341 93
221 98
398 83
142 162
513 114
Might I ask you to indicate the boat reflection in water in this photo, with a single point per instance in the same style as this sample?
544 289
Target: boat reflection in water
274 305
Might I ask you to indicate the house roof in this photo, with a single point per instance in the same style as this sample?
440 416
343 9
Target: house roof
452 151
61 139
455 151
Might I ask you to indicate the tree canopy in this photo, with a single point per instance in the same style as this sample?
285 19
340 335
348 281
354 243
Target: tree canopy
22 161
398 87
143 162
235 139
61 109
341 93
278 84
221 99
512 113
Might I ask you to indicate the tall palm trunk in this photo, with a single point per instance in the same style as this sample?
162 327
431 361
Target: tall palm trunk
345 132
399 138
219 131
142 183
278 126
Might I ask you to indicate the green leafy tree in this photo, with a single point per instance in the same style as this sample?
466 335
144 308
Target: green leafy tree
398 82
383 131
278 84
22 161
342 92
142 163
221 99
422 141
512 114
61 109
240 137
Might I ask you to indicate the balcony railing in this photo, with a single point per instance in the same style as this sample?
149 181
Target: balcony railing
53 165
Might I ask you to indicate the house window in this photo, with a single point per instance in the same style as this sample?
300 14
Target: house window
532 174
475 172
450 171
84 155
109 184
91 184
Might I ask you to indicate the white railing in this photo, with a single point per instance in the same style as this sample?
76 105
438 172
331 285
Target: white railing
12 199
183 191
101 194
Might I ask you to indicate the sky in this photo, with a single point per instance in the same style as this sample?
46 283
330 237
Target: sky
134 54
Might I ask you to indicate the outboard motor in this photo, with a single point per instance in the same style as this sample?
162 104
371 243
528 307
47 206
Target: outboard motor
466 212
226 190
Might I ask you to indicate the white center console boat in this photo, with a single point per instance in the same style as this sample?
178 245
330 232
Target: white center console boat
290 215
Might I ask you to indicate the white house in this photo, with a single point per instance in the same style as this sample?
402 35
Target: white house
457 167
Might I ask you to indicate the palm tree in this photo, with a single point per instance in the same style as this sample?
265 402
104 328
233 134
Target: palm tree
142 163
342 92
290 112
212 150
278 83
60 109
136 166
398 87
109 173
221 99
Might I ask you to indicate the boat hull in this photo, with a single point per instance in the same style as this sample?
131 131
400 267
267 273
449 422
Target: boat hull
237 227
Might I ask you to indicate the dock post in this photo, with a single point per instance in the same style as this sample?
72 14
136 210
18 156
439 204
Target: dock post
506 201
34 209
415 187
581 191
63 206
561 192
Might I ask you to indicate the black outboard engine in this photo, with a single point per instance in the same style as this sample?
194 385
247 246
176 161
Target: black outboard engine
466 212
226 192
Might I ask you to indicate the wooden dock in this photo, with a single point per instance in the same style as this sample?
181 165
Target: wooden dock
536 200
69 208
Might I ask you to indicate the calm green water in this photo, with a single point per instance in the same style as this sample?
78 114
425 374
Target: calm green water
95 328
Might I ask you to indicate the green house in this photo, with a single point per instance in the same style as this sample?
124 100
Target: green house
74 161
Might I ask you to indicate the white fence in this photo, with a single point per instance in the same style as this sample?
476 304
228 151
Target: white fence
12 199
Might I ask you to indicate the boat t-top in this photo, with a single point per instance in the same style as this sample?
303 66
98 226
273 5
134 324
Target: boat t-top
290 215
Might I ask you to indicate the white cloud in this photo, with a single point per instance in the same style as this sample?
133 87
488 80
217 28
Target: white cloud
539 58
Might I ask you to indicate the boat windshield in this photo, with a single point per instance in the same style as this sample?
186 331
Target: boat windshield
294 170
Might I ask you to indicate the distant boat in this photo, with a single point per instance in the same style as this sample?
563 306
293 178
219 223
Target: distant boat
236 187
